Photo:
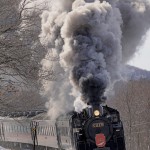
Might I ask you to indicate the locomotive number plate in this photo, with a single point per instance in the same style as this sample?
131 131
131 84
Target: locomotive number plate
98 125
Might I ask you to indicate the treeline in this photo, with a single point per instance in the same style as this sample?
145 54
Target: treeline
132 99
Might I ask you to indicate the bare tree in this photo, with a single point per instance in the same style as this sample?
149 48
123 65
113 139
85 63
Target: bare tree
132 100
20 51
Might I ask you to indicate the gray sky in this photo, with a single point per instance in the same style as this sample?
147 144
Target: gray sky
142 57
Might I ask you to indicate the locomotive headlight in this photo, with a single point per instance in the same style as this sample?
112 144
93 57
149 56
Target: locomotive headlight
96 113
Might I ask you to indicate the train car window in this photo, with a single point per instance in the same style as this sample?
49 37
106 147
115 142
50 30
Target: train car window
18 129
11 128
21 129
37 130
46 130
15 129
8 129
54 131
50 130
64 129
29 130
43 130
5 128
40 130
26 129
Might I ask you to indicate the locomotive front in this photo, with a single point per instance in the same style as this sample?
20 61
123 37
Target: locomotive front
98 127
98 130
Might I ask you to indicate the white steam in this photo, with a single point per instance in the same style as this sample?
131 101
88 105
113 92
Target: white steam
91 39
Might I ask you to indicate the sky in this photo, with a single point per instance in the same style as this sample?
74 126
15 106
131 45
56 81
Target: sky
142 57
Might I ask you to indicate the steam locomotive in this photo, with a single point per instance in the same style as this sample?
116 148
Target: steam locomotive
97 127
